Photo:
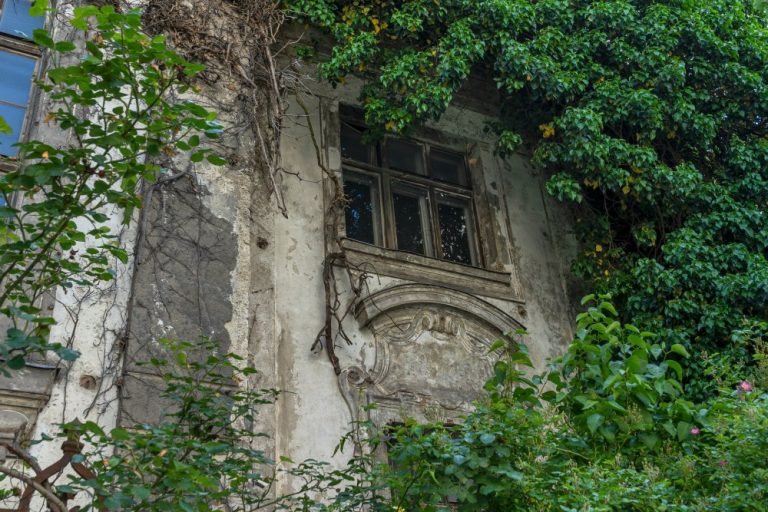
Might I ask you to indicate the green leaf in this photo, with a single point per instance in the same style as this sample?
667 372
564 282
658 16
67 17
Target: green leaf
68 354
119 434
677 348
16 363
607 306
594 421
38 8
676 367
64 46
512 474
649 440
497 345
615 405
41 37
216 160
487 438
140 492
638 362
4 127
683 430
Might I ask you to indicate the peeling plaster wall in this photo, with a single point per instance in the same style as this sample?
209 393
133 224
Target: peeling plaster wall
312 417
180 288
214 259
90 320
202 266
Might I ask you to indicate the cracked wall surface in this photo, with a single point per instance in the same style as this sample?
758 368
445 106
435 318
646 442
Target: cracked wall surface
215 258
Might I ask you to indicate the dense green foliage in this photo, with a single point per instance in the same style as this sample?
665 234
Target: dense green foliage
648 113
616 438
114 104
651 114
604 429
202 454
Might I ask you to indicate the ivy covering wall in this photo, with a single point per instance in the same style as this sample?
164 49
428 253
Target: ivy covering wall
649 114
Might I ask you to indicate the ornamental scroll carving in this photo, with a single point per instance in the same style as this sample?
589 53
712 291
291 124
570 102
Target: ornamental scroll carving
430 353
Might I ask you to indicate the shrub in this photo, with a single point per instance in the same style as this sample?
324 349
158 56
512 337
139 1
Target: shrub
534 444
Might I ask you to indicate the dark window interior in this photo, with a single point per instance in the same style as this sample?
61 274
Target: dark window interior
447 166
454 220
409 208
352 146
362 214
407 195
406 156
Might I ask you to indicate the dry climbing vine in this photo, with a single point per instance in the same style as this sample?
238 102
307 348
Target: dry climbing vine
336 309
236 41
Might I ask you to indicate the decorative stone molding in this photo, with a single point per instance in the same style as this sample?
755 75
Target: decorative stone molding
431 347
22 395
11 423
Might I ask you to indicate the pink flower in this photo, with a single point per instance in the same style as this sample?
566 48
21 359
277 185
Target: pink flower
722 462
695 431
745 386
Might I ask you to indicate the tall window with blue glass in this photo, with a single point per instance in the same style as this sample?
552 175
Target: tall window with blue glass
18 61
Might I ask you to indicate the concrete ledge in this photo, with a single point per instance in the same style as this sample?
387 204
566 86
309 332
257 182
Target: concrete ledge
422 269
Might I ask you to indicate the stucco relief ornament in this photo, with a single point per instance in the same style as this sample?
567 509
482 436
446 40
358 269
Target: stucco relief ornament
431 353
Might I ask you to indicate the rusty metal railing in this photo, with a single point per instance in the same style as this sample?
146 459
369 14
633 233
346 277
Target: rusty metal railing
40 481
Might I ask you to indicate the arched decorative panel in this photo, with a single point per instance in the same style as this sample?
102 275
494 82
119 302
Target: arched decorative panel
431 347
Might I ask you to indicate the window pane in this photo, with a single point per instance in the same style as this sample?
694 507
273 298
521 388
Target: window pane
15 83
405 156
15 78
14 116
412 220
15 19
352 146
362 212
448 167
455 219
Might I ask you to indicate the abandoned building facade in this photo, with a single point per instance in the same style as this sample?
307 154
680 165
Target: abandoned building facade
438 248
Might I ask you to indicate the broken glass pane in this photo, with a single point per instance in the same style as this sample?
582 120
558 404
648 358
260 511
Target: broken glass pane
454 216
412 220
446 166
362 215
352 146
405 156
16 21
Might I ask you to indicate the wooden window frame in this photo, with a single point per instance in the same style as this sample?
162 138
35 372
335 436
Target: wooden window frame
388 177
495 273
25 48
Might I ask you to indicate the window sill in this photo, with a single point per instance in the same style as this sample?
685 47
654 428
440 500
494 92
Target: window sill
422 269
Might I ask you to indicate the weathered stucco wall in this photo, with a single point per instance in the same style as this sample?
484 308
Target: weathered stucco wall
215 258
312 416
